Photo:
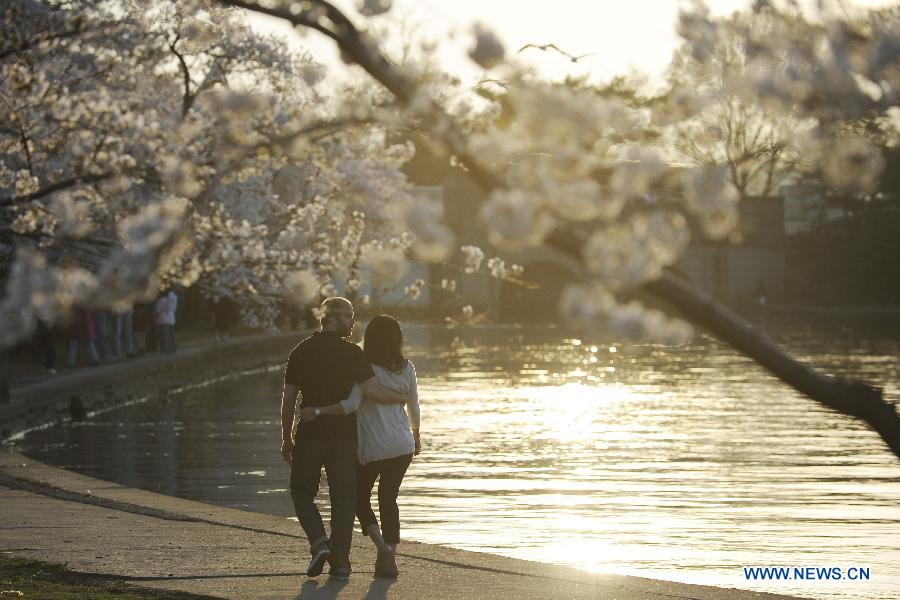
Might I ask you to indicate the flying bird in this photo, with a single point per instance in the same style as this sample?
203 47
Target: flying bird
546 47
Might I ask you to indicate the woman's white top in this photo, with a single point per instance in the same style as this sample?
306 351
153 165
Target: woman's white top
171 307
384 429
164 310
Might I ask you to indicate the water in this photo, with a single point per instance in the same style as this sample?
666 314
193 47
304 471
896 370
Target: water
683 464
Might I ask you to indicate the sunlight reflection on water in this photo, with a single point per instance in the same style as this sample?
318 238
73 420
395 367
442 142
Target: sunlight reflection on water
683 464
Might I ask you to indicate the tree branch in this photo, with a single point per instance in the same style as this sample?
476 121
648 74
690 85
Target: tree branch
55 187
9 233
28 44
298 20
188 98
853 398
770 173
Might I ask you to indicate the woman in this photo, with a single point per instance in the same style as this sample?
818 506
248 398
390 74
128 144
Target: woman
388 439
164 319
82 330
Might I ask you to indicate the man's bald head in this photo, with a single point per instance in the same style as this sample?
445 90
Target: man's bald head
337 315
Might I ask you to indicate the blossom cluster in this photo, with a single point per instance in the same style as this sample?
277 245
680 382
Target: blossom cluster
825 71
168 144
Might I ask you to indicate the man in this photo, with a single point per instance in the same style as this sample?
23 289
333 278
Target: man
323 369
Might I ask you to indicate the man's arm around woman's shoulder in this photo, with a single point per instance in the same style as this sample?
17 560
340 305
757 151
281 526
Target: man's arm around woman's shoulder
374 390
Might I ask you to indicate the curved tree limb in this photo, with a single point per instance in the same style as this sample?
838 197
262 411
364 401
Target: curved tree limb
73 29
55 187
855 399
188 97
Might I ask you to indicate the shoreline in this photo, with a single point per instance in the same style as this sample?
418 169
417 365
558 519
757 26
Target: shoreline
164 542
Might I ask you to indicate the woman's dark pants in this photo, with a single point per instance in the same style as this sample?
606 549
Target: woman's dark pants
391 472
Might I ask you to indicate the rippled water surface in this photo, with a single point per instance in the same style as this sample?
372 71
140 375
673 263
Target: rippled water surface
683 464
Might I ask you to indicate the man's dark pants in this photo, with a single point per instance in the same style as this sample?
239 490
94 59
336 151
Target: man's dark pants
339 459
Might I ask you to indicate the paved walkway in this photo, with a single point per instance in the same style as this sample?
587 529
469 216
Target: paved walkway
159 541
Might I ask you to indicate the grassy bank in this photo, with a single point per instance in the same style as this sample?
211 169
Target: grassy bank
29 579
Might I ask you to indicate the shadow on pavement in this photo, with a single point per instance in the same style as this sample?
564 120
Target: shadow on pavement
328 590
378 588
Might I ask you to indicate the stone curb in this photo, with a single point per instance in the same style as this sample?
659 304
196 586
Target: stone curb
108 386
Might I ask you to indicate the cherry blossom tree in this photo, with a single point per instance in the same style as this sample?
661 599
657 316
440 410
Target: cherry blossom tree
818 79
151 145
711 126
83 219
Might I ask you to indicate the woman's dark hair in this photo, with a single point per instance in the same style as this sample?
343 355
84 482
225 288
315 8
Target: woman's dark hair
383 343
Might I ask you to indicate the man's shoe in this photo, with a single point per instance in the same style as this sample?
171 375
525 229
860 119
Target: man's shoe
317 562
340 573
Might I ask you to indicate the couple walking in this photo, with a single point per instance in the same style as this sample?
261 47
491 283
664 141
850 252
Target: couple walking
352 422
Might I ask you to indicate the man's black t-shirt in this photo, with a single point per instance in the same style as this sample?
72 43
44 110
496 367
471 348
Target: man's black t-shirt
324 366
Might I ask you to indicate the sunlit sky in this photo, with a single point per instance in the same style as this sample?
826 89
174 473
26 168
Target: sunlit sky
619 36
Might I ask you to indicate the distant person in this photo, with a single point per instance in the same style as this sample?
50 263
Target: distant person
123 333
388 439
323 369
82 331
160 310
760 296
101 338
143 340
45 346
164 319
224 313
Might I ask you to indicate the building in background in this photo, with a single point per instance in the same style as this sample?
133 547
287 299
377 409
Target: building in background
753 267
